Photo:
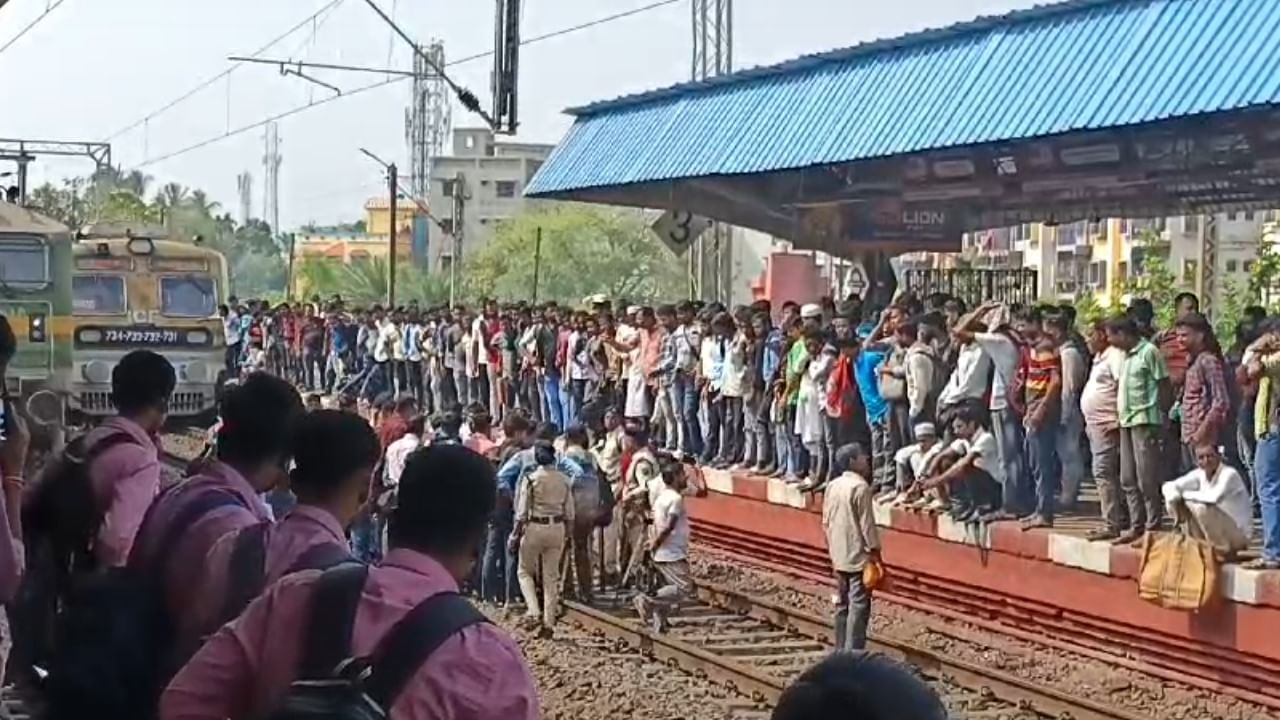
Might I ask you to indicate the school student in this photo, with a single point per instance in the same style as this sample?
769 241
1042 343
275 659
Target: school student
247 668
334 454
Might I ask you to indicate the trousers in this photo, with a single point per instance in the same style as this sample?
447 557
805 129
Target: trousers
540 551
853 612
576 565
1140 454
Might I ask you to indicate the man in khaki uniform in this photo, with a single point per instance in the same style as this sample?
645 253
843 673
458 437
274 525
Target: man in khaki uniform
544 510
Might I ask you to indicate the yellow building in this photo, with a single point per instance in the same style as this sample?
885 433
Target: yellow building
345 245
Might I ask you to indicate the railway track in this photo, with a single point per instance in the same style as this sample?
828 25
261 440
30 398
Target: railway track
758 648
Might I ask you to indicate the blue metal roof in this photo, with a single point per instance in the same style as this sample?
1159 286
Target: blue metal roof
1077 65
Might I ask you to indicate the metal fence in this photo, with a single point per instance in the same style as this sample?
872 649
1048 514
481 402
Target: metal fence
973 285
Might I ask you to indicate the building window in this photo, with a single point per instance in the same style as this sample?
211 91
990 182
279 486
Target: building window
1248 215
446 225
1191 223
1189 270
1097 228
531 168
504 188
1231 216
1122 270
447 186
1232 266
1248 266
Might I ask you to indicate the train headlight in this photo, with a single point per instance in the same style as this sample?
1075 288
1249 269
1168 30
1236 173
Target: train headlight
45 407
90 336
97 372
37 328
197 372
197 337
140 246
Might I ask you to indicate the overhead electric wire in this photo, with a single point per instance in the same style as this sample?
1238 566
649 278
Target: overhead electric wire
383 83
30 25
201 86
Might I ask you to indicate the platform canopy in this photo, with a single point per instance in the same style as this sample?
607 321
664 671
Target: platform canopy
1086 108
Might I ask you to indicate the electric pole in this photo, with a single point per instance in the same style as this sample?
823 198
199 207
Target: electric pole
393 190
712 56
459 225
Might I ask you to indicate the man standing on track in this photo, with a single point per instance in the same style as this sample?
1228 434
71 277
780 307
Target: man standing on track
853 542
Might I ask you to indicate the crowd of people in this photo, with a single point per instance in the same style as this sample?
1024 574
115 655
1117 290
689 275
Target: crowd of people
566 442
991 413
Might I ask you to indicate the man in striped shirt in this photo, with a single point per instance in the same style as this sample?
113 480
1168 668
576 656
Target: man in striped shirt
1043 393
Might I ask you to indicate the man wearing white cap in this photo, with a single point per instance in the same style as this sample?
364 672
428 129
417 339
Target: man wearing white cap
912 462
811 315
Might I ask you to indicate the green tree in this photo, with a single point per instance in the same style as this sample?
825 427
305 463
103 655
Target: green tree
585 250
1153 279
364 282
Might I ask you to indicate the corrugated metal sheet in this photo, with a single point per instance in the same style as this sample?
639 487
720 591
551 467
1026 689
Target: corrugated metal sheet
1080 65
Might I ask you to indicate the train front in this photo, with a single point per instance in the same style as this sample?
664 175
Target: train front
142 292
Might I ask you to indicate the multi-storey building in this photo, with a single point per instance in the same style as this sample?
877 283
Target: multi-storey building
493 176
1207 254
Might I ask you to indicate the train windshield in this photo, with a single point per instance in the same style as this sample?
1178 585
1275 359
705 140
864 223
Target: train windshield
188 296
23 261
97 295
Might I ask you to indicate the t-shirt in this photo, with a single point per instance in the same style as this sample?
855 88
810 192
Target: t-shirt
866 370
1042 367
1139 390
983 443
1005 357
669 508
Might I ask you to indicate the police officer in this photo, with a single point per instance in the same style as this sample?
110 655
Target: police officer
544 511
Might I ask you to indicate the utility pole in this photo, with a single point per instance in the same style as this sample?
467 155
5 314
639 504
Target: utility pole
712 56
271 160
244 189
459 229
288 284
393 190
537 262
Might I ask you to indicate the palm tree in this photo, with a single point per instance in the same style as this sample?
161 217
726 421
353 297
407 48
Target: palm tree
199 202
168 200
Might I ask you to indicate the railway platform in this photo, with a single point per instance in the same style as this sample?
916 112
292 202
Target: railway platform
1053 587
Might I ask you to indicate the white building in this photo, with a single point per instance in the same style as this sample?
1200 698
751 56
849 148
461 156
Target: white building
494 175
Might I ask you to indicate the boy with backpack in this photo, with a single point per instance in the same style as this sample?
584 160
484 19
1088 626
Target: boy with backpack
122 454
304 649
83 512
334 455
252 457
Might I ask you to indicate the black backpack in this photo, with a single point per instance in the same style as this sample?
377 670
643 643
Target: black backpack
247 571
60 518
332 685
62 513
114 640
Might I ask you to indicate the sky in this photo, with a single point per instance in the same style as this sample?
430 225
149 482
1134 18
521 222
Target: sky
92 68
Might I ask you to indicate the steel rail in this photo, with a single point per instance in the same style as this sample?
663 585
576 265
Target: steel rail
688 657
1003 686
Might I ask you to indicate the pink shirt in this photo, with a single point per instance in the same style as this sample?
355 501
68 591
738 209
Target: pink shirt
11 554
186 561
480 444
245 669
125 480
302 529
